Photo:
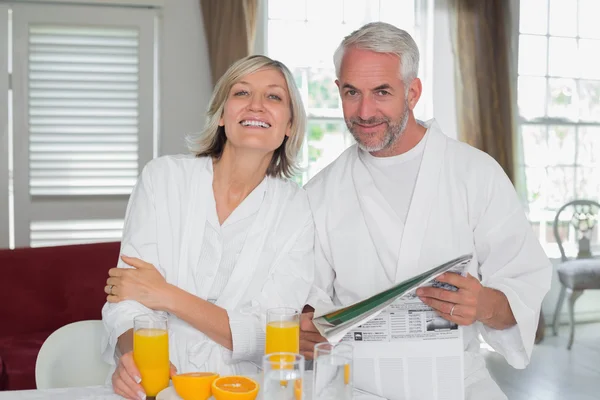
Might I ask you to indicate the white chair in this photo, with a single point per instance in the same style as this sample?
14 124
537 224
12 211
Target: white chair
70 357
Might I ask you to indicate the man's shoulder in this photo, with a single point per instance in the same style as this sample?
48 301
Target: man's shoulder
332 173
470 160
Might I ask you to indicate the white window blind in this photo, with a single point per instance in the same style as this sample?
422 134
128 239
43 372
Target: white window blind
83 110
83 82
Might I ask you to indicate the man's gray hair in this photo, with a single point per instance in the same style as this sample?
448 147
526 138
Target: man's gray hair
381 37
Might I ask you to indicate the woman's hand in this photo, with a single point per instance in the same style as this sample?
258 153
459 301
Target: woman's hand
127 379
142 283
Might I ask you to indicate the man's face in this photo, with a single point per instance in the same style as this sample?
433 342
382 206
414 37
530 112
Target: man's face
374 98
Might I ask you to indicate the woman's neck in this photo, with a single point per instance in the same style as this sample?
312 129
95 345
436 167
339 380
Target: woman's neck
236 175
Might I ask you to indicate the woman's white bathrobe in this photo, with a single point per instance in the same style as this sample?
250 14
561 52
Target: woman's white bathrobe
462 203
164 225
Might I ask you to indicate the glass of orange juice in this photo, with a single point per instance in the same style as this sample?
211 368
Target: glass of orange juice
151 352
283 331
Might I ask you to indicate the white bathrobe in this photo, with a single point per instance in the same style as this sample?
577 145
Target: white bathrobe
462 202
164 225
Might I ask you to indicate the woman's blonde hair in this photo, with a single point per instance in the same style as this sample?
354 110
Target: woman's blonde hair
211 141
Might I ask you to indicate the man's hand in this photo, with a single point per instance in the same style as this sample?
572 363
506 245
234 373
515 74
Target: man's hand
461 307
472 302
309 335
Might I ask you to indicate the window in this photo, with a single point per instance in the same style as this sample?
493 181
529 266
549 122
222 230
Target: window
559 108
304 34
81 116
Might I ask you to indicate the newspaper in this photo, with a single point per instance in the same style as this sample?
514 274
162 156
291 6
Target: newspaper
334 324
408 352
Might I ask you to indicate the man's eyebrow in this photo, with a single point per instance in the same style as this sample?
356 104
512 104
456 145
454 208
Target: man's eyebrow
349 86
385 86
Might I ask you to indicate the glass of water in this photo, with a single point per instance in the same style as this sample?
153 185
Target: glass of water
332 377
283 375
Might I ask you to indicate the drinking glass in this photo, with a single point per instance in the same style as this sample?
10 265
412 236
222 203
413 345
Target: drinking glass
332 375
283 374
283 331
151 352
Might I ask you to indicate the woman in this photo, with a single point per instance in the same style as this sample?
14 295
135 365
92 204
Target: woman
216 238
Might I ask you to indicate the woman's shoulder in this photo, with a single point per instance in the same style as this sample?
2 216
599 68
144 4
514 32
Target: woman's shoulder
178 164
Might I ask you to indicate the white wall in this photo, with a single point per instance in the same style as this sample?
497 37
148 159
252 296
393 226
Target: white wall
185 82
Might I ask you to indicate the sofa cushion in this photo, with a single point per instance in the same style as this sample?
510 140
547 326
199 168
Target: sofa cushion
43 289
49 287
19 354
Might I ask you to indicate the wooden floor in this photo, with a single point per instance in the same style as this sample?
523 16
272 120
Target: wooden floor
555 372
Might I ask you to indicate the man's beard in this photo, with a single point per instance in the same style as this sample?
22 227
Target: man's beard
392 133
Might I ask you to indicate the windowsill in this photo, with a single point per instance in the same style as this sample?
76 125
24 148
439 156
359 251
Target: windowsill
552 251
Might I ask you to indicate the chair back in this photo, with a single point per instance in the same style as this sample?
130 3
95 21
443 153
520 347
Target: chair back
584 220
71 357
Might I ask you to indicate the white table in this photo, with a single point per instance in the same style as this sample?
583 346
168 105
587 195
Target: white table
106 393
92 392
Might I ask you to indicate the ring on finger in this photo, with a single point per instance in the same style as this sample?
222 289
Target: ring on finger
452 310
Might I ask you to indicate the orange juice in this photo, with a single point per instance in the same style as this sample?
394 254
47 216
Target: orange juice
283 337
151 356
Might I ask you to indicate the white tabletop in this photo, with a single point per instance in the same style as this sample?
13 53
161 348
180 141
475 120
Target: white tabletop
91 392
106 393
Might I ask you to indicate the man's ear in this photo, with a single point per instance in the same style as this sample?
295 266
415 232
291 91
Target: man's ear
414 93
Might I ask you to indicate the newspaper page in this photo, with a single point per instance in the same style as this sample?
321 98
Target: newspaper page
334 324
408 352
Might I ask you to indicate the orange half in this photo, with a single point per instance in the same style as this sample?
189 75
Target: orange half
234 388
194 385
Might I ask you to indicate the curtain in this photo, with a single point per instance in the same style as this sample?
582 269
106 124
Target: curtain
485 38
230 27
483 33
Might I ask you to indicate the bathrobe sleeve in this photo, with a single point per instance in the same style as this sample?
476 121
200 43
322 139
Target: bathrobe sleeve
512 261
139 240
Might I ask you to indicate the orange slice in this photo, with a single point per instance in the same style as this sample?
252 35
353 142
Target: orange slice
234 388
194 385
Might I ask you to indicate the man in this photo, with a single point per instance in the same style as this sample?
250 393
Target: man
407 198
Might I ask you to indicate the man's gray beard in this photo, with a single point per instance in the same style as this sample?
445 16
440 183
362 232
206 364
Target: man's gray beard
392 133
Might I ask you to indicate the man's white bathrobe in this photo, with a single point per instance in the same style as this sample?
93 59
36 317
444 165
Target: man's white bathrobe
165 225
462 202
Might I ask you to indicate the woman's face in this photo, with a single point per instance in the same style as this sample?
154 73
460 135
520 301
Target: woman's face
257 111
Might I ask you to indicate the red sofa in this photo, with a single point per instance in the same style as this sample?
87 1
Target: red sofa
42 289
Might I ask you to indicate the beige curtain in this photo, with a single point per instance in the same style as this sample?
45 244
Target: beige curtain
485 85
484 34
230 26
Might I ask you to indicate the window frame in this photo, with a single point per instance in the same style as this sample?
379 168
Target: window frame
61 208
5 225
544 217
